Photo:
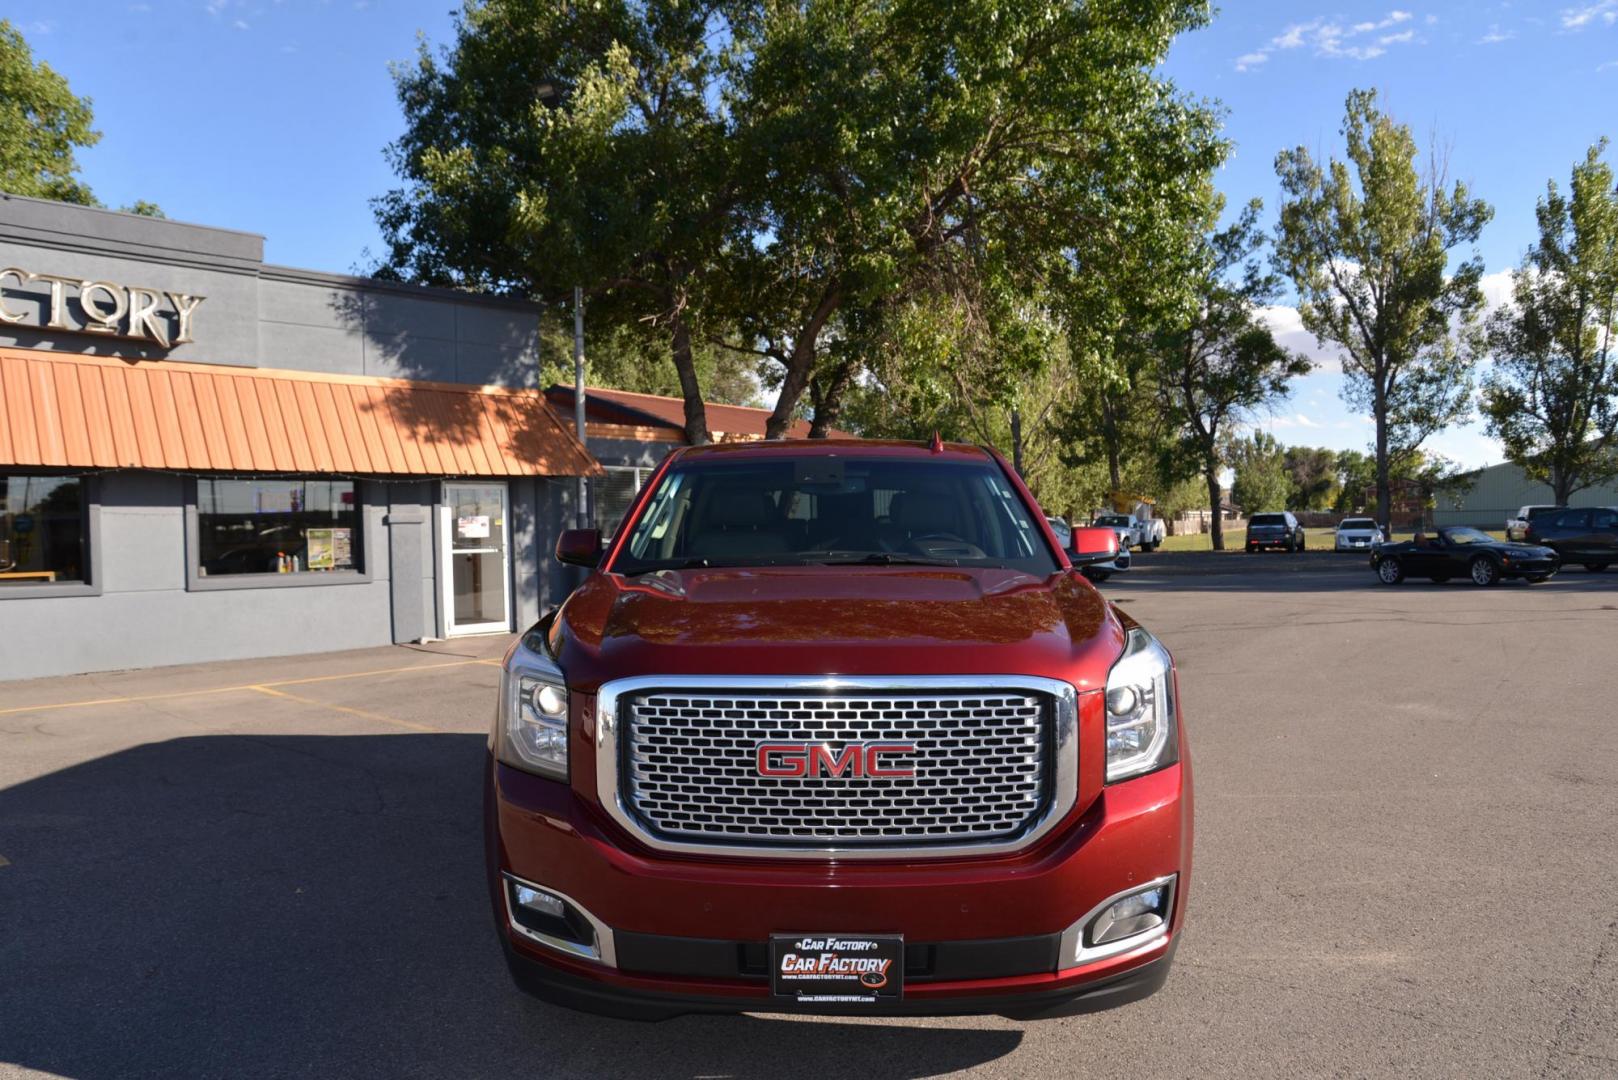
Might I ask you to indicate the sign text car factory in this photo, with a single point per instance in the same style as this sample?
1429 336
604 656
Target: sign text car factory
101 307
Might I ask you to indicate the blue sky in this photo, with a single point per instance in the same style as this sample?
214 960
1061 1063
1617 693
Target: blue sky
270 116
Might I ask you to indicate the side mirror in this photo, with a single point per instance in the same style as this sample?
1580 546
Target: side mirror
579 547
1093 545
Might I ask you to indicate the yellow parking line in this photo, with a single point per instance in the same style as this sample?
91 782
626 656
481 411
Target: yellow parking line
245 686
266 689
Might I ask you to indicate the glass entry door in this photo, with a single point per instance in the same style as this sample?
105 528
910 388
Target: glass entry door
477 599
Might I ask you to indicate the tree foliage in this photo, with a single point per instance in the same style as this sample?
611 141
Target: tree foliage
1224 364
1552 397
1261 481
1312 478
1367 244
556 145
42 124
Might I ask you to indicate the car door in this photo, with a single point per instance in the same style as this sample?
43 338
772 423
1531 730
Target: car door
1569 533
1604 534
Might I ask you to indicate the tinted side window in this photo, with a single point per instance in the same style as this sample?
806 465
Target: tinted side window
1572 519
1605 519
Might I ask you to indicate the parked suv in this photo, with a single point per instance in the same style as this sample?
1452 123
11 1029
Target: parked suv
1274 531
838 727
1587 535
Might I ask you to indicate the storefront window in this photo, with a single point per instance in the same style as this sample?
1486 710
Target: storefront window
277 527
41 530
613 492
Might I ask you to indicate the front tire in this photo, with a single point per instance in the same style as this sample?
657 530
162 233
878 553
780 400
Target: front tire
1389 572
1484 572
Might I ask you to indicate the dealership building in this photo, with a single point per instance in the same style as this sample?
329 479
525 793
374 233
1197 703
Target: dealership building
204 456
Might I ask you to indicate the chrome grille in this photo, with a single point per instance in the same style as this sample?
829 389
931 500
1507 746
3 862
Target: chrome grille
981 766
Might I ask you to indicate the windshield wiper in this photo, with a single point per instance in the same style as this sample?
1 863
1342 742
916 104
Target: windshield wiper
887 558
688 564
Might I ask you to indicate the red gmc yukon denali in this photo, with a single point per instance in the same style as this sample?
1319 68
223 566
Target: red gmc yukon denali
838 726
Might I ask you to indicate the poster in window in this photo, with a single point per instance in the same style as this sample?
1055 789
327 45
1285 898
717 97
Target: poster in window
321 549
342 549
475 527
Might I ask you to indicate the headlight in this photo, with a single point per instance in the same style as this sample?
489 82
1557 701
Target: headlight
533 715
1141 713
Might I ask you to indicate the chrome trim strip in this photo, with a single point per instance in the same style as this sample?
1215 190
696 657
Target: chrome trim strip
1065 744
1073 937
605 951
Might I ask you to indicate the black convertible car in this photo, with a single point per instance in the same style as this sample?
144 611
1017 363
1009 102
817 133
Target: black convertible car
1461 552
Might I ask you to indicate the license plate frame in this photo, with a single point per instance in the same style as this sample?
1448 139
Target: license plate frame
837 969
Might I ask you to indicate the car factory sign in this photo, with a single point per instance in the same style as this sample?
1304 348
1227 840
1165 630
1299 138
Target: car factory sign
96 307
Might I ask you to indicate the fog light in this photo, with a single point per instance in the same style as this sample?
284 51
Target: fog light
539 901
1134 914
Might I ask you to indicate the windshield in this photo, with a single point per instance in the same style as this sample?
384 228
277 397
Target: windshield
1357 523
1268 519
1461 537
1112 519
835 510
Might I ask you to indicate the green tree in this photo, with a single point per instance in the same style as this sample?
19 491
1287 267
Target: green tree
1261 476
42 123
896 146
630 357
1312 477
1369 254
1224 365
1552 396
1356 475
556 145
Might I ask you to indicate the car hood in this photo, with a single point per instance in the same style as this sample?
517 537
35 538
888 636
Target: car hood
838 621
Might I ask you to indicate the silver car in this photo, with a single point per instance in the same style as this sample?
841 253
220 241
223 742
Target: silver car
1357 534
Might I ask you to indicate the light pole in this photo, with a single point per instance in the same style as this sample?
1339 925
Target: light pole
578 398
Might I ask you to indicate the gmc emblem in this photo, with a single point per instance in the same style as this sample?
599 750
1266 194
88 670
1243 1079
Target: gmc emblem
792 760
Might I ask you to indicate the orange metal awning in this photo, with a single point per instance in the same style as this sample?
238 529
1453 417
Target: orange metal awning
59 410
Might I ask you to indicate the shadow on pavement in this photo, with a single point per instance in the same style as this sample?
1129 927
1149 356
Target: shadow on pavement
307 905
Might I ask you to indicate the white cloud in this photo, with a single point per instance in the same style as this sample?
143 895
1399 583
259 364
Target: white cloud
1608 66
1578 18
1496 289
1496 35
1287 327
241 24
1335 41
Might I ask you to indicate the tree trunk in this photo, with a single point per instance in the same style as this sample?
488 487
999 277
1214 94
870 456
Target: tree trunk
829 400
696 411
1216 523
1384 491
1561 484
1016 440
801 362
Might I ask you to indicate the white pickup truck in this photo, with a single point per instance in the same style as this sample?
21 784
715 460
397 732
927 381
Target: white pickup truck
1517 527
1142 533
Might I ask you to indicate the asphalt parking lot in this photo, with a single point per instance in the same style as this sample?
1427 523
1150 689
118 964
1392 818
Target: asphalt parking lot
1406 861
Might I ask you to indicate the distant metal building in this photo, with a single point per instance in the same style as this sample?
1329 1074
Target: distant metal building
1487 497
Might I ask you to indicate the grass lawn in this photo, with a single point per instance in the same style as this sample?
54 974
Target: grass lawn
1314 539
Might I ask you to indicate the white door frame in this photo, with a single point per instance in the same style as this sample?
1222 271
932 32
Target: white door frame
446 566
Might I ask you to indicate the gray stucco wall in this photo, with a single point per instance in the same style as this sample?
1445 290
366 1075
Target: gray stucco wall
145 616
254 314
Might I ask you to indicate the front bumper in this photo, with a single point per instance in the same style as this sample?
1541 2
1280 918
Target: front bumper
1348 543
983 935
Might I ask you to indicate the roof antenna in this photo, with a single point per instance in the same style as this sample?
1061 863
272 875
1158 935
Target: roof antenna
937 445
